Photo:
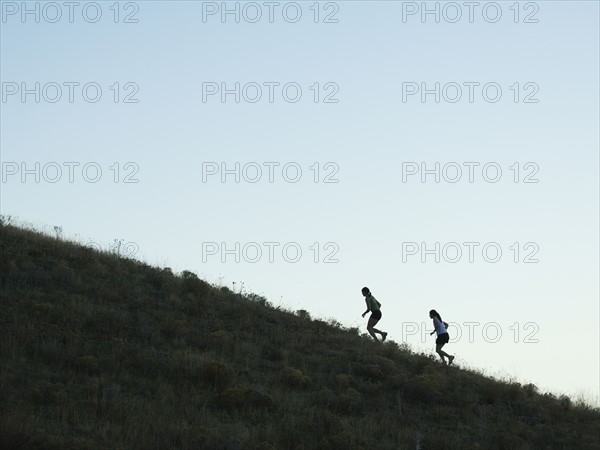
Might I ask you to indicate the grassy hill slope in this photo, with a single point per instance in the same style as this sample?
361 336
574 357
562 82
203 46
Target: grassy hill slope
103 352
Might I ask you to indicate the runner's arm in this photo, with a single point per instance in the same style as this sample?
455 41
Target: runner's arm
435 327
368 308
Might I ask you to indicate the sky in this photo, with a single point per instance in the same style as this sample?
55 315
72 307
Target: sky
444 154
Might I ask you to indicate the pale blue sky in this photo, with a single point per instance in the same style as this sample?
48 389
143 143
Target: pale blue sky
368 134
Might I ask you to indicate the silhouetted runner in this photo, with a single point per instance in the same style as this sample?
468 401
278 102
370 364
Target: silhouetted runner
442 336
374 306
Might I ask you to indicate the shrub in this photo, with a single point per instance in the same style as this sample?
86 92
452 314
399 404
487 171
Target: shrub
386 366
243 397
344 440
89 364
370 372
82 443
398 381
303 314
46 393
219 341
51 351
422 363
145 362
218 374
420 389
200 436
190 283
175 328
259 299
273 353
349 402
265 446
219 335
44 309
343 381
322 398
565 402
293 378
530 389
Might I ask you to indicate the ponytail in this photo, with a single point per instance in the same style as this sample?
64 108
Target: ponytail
434 313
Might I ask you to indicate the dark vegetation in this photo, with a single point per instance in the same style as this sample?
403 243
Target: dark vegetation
99 351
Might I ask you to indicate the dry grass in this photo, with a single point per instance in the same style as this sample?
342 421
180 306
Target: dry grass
103 352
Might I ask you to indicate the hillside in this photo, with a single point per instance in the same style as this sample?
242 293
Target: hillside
104 352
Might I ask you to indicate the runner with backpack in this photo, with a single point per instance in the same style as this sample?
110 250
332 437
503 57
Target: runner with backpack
442 336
